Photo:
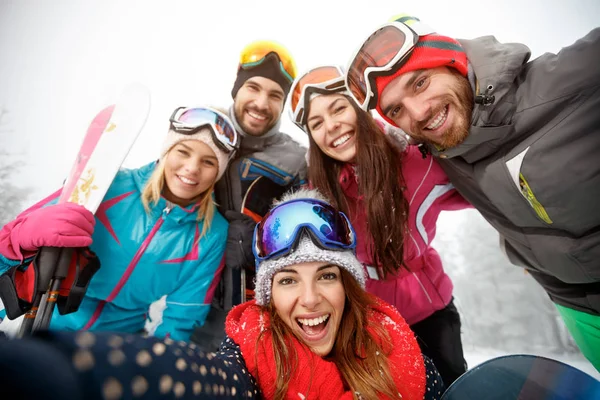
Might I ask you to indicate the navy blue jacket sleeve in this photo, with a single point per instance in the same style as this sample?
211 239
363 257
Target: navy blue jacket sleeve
107 365
434 386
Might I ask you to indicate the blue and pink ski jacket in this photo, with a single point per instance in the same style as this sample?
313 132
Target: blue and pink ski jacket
143 257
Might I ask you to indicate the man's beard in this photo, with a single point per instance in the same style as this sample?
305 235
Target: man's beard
462 104
251 131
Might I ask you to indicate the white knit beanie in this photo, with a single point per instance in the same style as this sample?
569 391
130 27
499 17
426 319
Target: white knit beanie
306 251
204 135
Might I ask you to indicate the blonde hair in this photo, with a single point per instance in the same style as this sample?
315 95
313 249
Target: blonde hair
154 187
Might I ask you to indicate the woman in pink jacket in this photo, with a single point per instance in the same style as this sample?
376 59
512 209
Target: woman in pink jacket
394 210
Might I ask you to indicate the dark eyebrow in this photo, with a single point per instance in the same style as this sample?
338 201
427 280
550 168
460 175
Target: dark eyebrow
322 267
277 91
332 105
293 271
411 80
274 91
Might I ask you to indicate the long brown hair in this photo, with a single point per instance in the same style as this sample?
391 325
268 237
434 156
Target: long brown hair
357 355
380 182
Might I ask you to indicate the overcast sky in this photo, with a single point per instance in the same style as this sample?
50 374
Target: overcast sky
63 60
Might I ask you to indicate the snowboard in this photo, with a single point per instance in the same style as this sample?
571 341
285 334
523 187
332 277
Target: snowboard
105 146
523 377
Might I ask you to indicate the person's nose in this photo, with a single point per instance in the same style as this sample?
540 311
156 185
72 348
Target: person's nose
310 296
262 101
192 165
332 125
417 109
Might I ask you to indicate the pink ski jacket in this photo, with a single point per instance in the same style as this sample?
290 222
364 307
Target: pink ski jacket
426 288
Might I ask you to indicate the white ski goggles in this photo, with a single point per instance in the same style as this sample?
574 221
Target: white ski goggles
190 120
324 80
385 50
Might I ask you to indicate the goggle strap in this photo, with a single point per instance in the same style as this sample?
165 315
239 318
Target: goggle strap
335 87
182 127
271 54
186 130
420 28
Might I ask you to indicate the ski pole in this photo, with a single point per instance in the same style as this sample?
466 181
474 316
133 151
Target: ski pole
45 263
48 301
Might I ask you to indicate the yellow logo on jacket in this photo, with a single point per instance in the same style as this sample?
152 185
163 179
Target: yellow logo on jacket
535 204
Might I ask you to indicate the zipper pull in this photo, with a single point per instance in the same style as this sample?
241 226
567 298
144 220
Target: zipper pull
168 208
486 99
246 169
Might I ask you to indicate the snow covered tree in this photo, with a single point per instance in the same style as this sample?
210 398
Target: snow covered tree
12 196
501 306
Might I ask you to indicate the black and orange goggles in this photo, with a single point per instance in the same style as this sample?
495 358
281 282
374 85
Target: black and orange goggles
323 80
382 53
256 53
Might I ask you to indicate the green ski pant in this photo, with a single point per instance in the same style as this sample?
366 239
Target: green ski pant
585 329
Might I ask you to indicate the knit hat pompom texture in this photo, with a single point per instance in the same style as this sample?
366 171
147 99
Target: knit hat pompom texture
305 252
204 135
431 51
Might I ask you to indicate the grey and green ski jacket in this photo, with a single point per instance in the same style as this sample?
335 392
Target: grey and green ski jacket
531 161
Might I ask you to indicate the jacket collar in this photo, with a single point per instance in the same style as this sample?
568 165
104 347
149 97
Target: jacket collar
248 321
251 142
348 180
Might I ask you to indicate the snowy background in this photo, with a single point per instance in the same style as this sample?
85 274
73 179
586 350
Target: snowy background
61 61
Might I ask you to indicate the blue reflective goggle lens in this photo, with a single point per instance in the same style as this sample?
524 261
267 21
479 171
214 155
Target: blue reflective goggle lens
192 119
280 229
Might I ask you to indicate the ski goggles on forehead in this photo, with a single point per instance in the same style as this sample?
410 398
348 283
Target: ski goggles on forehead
384 51
280 230
324 80
188 121
256 53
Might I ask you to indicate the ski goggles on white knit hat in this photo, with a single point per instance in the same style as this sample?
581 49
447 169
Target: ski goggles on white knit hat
321 80
385 50
299 231
279 230
188 121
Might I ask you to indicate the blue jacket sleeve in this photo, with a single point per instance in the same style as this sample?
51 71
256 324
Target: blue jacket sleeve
188 306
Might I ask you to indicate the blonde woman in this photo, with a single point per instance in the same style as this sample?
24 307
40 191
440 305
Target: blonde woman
156 233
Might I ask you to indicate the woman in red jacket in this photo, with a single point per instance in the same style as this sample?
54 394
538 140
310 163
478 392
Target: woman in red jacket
394 209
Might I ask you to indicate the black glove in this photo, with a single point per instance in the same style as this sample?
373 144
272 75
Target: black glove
238 253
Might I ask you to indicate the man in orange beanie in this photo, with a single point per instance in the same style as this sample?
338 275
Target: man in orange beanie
519 139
